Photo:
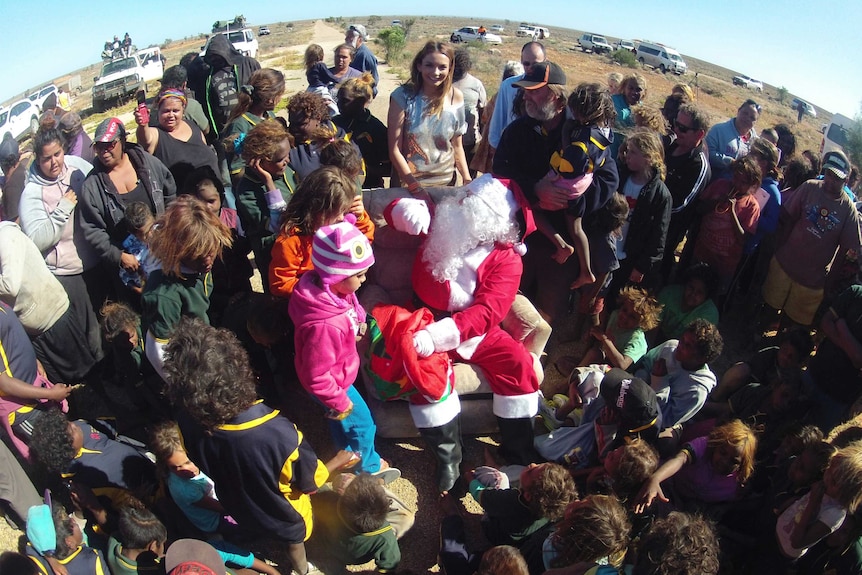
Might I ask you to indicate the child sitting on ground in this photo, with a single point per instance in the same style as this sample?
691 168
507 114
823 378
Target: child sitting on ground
585 148
687 301
121 327
71 551
328 320
708 470
622 342
138 543
513 515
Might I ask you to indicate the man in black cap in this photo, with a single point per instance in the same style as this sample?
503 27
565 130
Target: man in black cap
14 176
524 156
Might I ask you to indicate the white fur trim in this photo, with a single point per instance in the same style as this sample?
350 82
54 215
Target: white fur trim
436 414
462 288
516 406
155 350
444 334
468 348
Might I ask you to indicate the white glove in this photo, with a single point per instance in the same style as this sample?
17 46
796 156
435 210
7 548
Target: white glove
423 343
411 216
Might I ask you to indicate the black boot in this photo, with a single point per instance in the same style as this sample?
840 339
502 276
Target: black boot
445 442
516 443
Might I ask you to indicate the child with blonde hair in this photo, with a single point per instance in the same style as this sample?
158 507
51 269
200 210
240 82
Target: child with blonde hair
187 240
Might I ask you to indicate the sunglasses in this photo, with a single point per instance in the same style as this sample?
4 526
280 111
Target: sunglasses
105 146
682 128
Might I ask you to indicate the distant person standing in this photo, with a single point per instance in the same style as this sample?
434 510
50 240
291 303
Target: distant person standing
800 109
363 59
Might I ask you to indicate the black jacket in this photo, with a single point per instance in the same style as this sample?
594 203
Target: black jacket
648 228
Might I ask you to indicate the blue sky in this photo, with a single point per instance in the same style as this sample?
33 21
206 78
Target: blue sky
811 48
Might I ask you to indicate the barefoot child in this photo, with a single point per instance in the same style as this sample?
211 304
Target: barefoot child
328 319
584 149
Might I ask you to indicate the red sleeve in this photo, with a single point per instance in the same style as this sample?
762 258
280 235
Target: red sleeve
749 214
496 286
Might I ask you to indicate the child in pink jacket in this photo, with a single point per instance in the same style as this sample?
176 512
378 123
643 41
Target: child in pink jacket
328 319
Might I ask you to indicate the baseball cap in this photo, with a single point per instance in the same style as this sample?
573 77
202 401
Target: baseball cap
340 251
9 149
70 123
542 74
109 130
193 556
632 398
837 163
359 29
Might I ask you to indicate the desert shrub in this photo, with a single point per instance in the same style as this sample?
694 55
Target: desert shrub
781 94
393 40
624 58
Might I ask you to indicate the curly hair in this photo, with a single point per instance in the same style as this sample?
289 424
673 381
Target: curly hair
364 504
679 544
435 104
138 217
551 492
265 84
591 105
64 527
637 463
645 305
709 341
51 444
165 439
137 528
264 140
307 105
208 373
846 433
18 563
649 144
593 528
320 198
188 231
502 560
116 318
767 152
846 469
735 434
342 154
683 90
635 79
651 118
463 63
702 272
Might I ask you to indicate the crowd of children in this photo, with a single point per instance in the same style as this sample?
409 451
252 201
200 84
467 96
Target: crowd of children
654 461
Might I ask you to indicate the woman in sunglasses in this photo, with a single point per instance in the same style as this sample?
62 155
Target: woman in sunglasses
731 139
123 173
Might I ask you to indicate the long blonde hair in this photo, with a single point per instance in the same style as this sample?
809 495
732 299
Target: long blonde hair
650 146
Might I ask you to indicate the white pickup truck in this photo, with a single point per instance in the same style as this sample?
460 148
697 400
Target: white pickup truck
122 77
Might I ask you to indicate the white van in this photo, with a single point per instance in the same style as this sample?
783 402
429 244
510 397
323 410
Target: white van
835 134
661 57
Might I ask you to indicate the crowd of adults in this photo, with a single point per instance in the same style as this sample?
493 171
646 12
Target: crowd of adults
688 222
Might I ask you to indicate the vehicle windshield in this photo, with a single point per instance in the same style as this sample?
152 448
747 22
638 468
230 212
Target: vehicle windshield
235 37
675 58
3 115
837 134
118 66
599 40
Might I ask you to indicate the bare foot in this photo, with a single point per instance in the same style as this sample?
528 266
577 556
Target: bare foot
583 280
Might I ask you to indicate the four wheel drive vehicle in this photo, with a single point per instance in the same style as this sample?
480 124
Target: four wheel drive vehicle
243 40
661 57
152 63
746 82
626 45
594 43
497 28
809 109
38 98
263 31
471 33
535 32
21 120
119 79
834 134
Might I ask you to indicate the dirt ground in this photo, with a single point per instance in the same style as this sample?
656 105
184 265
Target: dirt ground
416 487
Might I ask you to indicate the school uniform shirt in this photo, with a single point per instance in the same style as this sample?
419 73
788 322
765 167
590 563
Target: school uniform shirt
146 564
265 471
167 298
355 548
508 520
82 561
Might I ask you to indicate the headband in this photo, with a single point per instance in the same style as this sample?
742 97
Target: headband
171 93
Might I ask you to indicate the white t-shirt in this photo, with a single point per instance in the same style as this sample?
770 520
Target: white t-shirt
830 514
631 191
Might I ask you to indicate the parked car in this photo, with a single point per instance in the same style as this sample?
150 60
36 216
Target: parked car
834 134
809 109
471 33
152 63
627 45
755 85
243 40
396 23
497 28
263 31
21 120
118 79
594 43
39 97
534 32
746 82
661 57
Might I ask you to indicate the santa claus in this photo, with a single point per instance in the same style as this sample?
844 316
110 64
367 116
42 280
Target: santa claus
467 273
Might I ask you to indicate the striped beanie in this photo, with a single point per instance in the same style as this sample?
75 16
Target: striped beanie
340 251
